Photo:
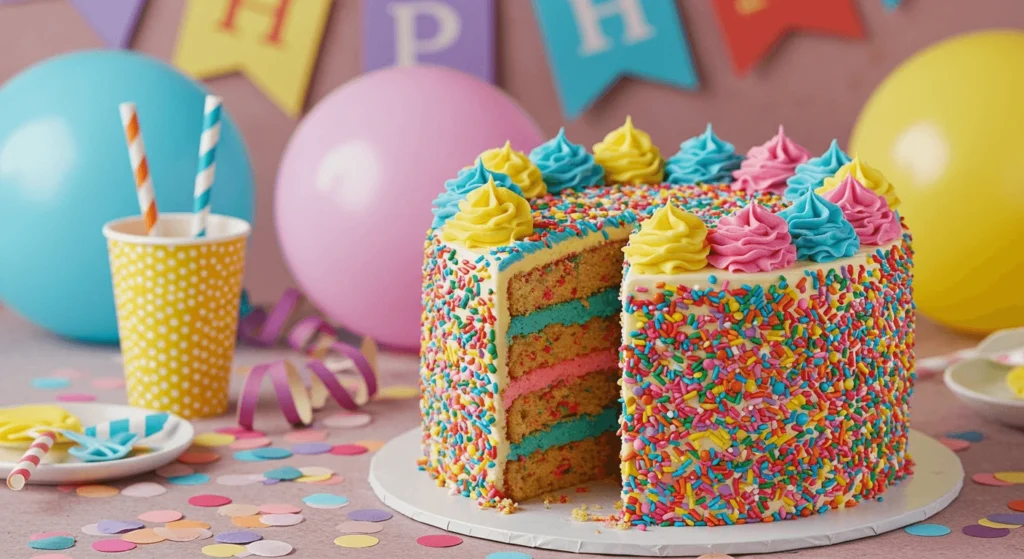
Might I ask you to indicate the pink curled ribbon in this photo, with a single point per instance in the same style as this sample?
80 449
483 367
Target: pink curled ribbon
297 398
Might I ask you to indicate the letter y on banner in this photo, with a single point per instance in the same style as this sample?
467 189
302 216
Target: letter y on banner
275 43
592 43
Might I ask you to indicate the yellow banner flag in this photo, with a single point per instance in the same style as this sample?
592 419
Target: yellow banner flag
273 42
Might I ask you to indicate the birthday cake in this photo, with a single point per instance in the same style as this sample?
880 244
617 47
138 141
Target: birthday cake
729 337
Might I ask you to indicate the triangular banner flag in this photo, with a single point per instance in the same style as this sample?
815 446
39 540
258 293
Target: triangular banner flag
113 20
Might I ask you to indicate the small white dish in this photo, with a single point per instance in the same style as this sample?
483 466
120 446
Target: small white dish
981 384
59 467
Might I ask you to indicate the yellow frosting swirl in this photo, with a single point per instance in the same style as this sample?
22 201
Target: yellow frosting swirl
670 242
871 178
490 217
518 167
629 157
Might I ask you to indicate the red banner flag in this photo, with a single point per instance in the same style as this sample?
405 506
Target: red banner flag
752 27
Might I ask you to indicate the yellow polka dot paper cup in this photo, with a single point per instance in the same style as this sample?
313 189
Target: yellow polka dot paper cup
177 303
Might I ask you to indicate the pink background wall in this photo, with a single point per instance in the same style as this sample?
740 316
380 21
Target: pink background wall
814 85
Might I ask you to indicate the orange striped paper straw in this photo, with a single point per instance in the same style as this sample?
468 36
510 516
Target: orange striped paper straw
137 154
22 472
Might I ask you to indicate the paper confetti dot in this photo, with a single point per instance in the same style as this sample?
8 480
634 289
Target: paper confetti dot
208 500
93 530
369 515
315 471
249 444
246 456
956 445
97 491
988 479
53 543
969 436
271 453
175 469
333 480
281 519
76 397
1016 505
181 524
991 524
310 449
191 479
1007 518
238 509
247 521
145 535
144 489
979 531
279 508
240 479
1010 477
325 501
50 383
348 419
359 527
269 548
439 540
182 534
108 383
113 546
306 436
222 550
508 555
356 541
286 473
348 450
200 455
927 530
160 516
269 481
372 446
213 439
110 527
238 537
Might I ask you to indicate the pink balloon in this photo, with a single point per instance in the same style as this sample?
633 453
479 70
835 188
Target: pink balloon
357 180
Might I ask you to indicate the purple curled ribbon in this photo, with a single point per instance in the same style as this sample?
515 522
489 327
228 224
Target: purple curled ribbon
296 397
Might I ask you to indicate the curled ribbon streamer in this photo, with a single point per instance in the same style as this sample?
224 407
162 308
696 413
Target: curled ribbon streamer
296 398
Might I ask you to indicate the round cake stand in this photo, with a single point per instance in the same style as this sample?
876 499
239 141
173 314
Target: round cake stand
938 477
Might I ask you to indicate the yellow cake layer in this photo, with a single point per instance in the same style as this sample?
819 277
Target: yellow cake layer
562 466
559 342
576 276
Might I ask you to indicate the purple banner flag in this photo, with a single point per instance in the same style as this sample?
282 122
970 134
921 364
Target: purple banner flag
458 34
113 20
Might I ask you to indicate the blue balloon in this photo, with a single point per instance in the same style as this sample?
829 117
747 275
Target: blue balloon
64 172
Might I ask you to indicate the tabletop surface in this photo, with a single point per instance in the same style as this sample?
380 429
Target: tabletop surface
26 353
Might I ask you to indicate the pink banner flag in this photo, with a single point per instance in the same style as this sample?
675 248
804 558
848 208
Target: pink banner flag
113 20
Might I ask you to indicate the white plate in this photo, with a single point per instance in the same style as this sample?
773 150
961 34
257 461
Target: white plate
981 384
60 467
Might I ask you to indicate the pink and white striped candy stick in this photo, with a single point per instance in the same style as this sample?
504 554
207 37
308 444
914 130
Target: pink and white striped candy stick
137 154
23 471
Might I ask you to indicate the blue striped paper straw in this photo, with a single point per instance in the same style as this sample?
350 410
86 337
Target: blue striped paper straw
207 163
143 426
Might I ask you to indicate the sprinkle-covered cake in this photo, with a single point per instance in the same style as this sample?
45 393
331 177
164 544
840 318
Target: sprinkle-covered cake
729 337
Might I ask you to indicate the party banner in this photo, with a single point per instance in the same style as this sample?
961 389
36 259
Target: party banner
752 27
454 33
592 43
275 43
113 20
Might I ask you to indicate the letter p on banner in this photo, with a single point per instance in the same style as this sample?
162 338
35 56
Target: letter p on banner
275 43
458 34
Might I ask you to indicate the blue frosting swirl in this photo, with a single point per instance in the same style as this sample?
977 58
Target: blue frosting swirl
812 174
446 205
704 158
819 230
564 165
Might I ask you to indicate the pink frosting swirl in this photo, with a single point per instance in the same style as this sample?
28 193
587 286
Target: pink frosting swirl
867 211
768 166
751 240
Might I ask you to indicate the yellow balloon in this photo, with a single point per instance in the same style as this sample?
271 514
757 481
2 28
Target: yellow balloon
947 129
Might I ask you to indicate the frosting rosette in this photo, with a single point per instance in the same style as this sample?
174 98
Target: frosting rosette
490 217
867 211
768 166
518 167
566 166
446 205
871 178
629 157
813 173
751 240
671 241
819 230
703 159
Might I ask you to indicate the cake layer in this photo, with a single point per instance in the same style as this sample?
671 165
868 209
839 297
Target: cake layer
566 431
576 276
557 343
566 372
601 304
562 466
589 394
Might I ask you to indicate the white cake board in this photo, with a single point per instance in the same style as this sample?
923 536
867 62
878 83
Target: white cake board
938 477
